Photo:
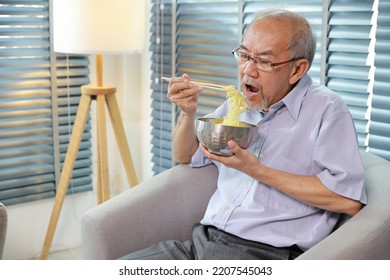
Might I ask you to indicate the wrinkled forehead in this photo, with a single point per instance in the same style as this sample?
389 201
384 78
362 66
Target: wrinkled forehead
265 35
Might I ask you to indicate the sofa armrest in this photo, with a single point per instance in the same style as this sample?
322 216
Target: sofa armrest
3 228
365 236
163 207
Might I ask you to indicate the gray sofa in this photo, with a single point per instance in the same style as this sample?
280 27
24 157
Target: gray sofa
3 228
167 205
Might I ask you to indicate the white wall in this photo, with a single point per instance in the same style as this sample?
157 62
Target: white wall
28 222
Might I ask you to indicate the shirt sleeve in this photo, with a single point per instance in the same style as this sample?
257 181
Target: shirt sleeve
337 155
199 159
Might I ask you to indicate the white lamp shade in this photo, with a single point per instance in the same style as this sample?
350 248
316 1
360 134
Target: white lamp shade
98 26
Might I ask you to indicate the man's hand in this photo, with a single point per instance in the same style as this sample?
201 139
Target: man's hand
242 160
184 94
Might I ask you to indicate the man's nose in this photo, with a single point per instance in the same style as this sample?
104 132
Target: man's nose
250 68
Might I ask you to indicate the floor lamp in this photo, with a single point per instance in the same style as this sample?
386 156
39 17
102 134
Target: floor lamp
95 27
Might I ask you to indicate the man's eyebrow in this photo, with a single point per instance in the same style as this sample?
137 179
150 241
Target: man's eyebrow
267 52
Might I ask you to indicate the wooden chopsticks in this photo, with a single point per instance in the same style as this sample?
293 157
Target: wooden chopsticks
202 84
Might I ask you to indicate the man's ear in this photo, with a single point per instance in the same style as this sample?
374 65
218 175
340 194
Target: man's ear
301 66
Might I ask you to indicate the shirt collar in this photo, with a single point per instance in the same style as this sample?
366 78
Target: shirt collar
293 100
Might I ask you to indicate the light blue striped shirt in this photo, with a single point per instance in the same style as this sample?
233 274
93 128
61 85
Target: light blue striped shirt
309 132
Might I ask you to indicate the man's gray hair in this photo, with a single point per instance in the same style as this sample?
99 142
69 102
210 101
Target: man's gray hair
303 41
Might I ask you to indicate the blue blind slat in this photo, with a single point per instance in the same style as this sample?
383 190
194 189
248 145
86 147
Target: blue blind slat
380 129
379 142
349 72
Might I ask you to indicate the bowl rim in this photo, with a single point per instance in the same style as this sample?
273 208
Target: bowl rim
208 120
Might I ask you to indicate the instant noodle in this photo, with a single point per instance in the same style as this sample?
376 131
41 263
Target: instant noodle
236 106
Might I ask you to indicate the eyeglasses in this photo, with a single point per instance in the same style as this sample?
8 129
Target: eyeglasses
261 63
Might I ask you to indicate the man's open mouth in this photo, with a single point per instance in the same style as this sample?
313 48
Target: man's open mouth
251 89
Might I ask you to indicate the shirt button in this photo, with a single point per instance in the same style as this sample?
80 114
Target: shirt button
245 187
227 208
262 125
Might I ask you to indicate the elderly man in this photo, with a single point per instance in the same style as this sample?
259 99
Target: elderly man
285 192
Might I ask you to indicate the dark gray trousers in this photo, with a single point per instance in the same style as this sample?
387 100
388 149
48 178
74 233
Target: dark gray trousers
209 243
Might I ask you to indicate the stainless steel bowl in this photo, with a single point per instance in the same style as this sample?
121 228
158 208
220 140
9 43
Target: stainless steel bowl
215 136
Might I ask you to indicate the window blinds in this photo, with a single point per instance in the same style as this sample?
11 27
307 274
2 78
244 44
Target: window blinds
72 73
379 142
32 118
347 56
207 32
161 48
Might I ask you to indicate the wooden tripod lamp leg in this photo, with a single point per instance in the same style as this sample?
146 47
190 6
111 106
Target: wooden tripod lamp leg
99 187
66 174
103 174
121 139
103 189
